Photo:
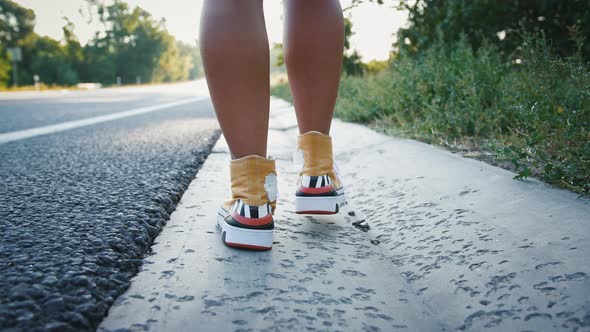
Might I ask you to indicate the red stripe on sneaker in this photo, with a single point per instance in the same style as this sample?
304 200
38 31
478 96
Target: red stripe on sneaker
252 221
320 190
246 246
316 212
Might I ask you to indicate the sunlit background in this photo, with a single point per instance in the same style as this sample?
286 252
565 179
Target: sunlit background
373 25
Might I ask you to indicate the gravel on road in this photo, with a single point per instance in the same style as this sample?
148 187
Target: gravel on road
80 209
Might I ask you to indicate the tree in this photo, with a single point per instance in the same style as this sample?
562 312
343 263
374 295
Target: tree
194 55
173 65
133 45
47 58
16 23
133 41
501 23
351 61
5 68
72 47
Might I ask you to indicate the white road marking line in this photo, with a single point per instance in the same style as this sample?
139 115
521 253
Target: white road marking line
27 133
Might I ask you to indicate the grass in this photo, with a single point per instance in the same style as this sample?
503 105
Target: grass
529 112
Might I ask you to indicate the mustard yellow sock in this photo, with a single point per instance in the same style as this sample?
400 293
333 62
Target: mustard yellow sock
317 155
253 180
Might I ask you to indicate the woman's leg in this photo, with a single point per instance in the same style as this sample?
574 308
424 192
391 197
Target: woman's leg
313 45
235 52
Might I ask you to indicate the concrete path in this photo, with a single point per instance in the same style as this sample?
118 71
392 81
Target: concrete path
431 241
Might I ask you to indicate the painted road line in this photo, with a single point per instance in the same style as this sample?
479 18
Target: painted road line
28 133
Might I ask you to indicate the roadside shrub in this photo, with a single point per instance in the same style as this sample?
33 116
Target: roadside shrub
531 110
442 92
549 98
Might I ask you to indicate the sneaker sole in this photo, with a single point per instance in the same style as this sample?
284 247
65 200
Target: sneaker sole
319 205
243 238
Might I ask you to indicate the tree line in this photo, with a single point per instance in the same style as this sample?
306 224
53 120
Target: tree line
565 25
132 47
505 24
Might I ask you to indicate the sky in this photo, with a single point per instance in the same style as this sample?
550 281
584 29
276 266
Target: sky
373 25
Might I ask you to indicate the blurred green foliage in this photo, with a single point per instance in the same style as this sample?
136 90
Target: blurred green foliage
16 22
132 46
498 22
351 61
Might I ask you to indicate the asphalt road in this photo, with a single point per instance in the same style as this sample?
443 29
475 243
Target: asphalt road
79 208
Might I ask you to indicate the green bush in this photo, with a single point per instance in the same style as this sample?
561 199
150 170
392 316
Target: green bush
532 109
442 92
